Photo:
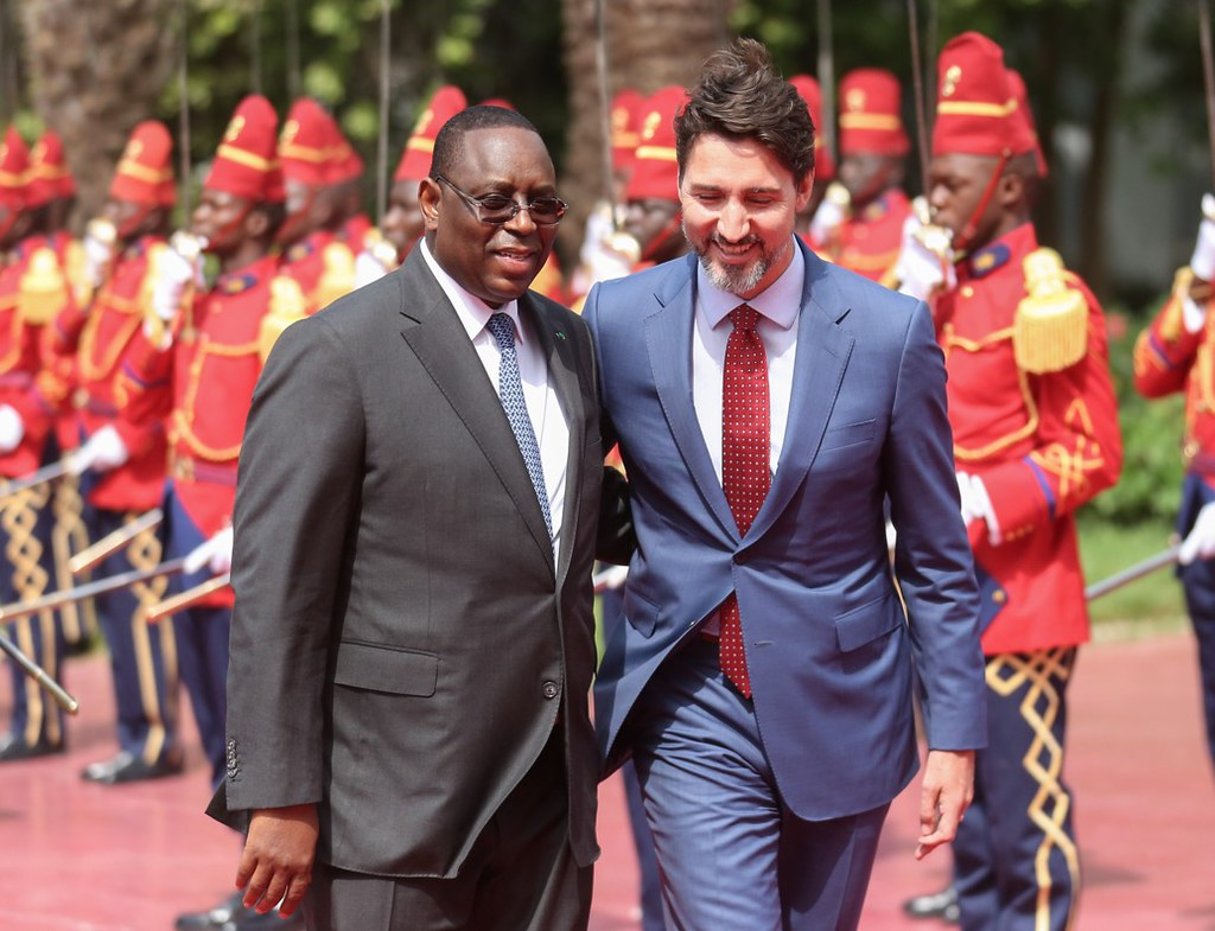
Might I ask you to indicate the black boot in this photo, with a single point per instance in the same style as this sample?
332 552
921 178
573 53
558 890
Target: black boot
942 905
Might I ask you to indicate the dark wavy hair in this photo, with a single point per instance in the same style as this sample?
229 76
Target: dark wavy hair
741 96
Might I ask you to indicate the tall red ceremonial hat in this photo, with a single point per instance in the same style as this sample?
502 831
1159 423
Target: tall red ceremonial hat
145 171
344 162
498 102
870 113
246 162
1024 112
14 167
809 90
306 142
447 101
626 117
976 105
655 170
49 177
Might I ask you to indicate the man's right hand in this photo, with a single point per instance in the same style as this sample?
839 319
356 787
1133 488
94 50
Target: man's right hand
276 865
1202 262
12 429
102 451
1200 541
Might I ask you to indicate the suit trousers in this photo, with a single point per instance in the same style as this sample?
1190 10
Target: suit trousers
1198 580
519 876
731 853
1016 861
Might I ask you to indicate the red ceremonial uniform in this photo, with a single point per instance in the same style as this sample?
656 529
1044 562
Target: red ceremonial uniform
1042 443
98 341
868 242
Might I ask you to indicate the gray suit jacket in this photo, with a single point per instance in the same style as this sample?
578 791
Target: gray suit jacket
403 643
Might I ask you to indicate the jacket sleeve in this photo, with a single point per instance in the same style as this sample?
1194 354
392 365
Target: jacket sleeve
933 560
301 471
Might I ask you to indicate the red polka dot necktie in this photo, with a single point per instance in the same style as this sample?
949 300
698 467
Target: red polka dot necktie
745 424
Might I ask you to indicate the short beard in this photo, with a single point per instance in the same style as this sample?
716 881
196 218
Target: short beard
735 279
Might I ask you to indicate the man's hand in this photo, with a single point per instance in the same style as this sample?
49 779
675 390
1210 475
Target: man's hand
945 794
12 428
214 554
102 451
276 865
1202 262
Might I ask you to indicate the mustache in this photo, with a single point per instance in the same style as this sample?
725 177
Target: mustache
751 240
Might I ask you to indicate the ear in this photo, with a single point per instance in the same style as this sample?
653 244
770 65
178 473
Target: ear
804 192
429 197
1011 191
257 222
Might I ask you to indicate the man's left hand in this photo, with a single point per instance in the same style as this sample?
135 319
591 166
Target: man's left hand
945 794
276 865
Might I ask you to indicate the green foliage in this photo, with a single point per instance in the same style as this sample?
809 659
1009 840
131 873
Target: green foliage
1151 438
1151 602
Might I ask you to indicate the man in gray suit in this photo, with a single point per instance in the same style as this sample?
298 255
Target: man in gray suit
416 521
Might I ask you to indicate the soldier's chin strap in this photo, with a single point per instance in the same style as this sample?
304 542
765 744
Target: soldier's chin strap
961 242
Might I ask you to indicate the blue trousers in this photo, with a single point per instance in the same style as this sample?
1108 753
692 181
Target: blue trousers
731 853
1198 582
26 523
143 656
1016 861
201 635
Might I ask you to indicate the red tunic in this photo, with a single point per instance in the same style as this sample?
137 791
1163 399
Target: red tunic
869 242
1043 444
95 342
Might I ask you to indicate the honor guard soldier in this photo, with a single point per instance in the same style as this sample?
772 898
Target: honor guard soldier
122 465
873 149
1176 354
652 216
345 175
1035 436
52 185
402 225
313 255
821 216
33 289
195 360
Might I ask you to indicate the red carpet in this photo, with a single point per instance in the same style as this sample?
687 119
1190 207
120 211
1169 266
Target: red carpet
77 857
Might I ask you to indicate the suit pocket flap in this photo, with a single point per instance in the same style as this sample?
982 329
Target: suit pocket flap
640 612
868 622
849 434
386 669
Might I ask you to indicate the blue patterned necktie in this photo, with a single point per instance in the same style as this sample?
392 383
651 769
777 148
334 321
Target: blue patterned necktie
510 390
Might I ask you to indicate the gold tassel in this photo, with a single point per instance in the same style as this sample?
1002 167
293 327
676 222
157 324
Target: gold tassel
287 305
338 277
1050 331
44 289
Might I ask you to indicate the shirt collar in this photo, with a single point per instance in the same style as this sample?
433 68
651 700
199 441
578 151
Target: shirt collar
473 312
780 302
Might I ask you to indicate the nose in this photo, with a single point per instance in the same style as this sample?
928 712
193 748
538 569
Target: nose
522 221
733 223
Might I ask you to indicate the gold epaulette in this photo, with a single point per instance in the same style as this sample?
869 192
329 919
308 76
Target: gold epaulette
337 280
1050 331
154 326
287 305
1171 320
82 288
44 288
380 248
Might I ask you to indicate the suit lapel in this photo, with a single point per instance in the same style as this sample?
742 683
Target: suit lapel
434 333
561 358
823 350
669 334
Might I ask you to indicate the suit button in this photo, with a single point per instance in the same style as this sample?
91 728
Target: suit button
549 689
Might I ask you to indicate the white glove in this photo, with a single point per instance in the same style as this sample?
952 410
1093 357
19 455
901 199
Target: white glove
367 268
176 272
97 255
610 579
1202 262
1200 541
976 505
921 270
215 554
829 215
102 451
12 428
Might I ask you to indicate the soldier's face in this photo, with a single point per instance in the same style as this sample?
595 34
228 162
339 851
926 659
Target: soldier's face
306 208
129 218
956 184
403 225
220 218
653 222
740 205
495 262
867 175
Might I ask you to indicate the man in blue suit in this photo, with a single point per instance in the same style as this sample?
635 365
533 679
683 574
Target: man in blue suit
767 404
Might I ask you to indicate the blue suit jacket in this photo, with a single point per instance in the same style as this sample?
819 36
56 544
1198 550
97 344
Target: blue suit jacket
829 647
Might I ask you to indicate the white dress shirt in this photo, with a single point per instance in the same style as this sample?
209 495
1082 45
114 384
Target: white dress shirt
543 408
779 306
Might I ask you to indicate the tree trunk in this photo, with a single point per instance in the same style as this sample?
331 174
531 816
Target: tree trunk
650 44
97 69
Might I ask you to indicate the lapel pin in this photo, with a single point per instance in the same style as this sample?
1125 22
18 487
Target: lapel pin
560 334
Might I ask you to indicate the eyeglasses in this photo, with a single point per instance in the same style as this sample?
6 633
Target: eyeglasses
497 209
